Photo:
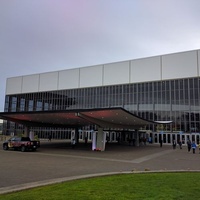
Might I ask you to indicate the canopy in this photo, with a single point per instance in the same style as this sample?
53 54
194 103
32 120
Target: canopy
106 118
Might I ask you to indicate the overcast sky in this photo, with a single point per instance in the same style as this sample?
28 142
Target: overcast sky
39 36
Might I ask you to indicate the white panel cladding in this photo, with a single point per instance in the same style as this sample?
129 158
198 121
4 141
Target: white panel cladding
68 79
147 69
91 76
171 66
30 83
116 73
179 65
48 81
14 85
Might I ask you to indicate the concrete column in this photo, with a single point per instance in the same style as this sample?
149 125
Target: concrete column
31 135
101 139
26 131
137 142
94 140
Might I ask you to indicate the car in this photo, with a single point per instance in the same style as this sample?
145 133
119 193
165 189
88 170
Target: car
21 143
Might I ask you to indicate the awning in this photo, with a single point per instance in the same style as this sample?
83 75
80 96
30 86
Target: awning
106 118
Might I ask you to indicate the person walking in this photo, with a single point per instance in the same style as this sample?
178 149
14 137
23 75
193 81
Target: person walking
86 140
49 137
161 142
174 144
189 145
73 143
180 144
150 140
194 146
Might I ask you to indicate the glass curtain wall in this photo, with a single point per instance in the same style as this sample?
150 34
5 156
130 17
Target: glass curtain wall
170 100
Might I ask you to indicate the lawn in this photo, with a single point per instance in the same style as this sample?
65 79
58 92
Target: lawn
177 186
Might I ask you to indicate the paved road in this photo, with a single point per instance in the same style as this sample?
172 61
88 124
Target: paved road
56 161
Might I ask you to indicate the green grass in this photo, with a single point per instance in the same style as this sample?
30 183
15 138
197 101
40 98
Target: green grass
151 186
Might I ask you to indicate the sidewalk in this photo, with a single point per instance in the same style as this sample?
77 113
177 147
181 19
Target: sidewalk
56 162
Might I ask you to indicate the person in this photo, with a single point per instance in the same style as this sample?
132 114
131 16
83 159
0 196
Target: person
129 141
144 140
194 146
199 147
107 139
161 142
49 137
189 145
174 144
180 144
86 140
118 139
150 140
73 143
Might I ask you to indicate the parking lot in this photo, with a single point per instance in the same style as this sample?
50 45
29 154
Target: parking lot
56 161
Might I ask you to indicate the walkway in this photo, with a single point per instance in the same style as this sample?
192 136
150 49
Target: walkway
56 162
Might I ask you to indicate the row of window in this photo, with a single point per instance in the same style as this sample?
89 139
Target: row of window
176 100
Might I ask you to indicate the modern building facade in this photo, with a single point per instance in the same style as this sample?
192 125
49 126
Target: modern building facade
159 88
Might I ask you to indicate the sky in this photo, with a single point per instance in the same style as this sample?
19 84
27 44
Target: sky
38 36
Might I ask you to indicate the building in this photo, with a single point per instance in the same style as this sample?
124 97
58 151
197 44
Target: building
159 95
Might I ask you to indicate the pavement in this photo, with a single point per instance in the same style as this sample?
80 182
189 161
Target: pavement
56 162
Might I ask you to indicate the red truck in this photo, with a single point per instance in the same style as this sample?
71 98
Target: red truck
21 143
